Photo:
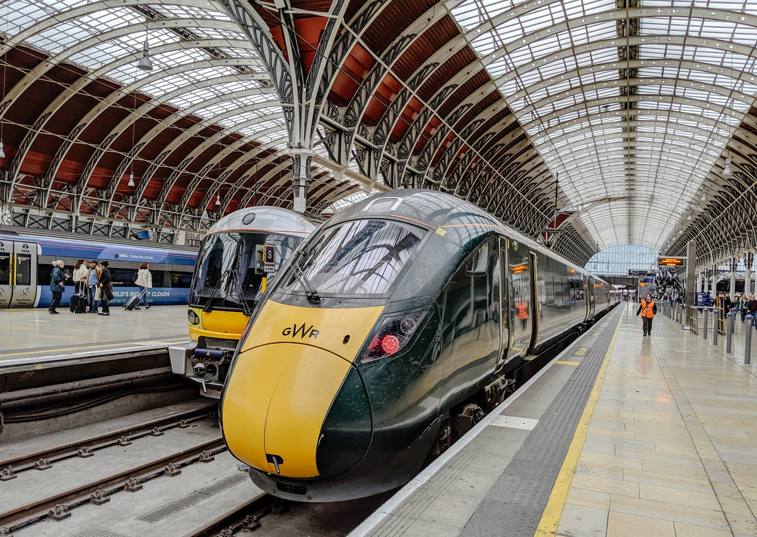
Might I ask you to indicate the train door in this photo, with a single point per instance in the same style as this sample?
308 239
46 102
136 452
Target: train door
520 298
6 273
590 302
501 288
18 274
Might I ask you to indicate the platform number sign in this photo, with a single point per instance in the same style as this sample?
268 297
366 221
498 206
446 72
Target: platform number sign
269 257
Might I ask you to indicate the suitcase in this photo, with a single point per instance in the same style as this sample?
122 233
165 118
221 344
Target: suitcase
82 306
133 301
78 304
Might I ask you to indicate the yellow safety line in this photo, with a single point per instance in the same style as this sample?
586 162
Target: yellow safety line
41 351
563 362
552 513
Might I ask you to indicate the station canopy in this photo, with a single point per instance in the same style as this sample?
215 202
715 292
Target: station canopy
588 124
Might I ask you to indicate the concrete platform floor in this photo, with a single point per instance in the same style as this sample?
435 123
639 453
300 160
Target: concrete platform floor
667 447
32 333
671 449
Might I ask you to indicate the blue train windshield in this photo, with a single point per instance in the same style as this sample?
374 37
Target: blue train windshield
361 257
230 268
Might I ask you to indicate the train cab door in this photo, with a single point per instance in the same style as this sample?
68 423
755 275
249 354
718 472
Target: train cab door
590 299
501 282
18 274
520 298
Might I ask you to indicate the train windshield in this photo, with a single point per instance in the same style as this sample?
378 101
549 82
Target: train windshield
231 267
362 257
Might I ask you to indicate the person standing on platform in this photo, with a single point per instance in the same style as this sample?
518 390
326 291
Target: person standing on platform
742 306
647 309
752 307
93 282
144 282
106 288
80 278
57 282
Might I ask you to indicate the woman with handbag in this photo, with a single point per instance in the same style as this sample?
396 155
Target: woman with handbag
106 288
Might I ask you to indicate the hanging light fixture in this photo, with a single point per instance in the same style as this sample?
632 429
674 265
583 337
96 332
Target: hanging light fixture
727 169
145 63
2 150
704 196
131 180
218 200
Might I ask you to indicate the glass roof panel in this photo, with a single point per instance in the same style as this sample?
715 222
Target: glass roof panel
624 119
107 39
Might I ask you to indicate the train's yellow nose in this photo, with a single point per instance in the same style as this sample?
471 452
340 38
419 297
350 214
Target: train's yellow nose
275 405
284 381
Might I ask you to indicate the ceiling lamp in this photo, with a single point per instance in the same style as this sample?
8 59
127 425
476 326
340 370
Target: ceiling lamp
704 197
218 200
689 217
727 169
131 180
2 150
145 63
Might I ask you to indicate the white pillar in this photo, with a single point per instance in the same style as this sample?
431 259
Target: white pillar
734 264
699 282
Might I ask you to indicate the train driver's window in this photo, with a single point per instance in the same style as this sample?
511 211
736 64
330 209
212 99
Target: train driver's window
479 261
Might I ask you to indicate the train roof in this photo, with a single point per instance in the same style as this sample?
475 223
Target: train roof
436 209
37 235
266 219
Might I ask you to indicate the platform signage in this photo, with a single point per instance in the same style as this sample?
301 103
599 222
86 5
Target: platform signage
670 261
702 299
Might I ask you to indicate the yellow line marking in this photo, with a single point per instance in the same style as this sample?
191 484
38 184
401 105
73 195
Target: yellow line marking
581 351
564 362
553 512
123 343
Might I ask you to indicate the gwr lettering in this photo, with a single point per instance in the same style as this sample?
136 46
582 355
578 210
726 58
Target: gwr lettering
301 330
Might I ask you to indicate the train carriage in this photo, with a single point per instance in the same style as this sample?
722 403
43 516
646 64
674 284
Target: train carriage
26 264
386 336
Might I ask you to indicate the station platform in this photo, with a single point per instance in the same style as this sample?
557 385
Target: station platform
35 336
620 435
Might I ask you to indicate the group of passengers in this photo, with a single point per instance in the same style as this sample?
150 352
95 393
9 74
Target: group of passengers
93 286
743 305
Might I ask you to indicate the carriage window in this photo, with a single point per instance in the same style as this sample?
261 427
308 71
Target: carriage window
479 262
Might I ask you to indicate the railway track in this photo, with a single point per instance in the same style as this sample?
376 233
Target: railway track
58 506
86 447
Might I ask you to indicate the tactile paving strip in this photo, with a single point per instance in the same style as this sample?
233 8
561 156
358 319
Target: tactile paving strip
514 505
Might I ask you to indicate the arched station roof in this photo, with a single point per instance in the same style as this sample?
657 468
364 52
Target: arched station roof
598 122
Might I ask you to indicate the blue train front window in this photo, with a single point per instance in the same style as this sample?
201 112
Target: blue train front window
362 257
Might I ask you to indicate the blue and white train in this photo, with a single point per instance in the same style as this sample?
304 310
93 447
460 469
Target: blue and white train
26 265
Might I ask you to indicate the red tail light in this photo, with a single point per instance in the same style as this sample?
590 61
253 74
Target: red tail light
392 336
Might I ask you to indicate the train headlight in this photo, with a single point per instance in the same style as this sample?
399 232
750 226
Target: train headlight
193 317
392 336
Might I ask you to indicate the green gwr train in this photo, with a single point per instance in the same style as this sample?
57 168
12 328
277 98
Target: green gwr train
385 336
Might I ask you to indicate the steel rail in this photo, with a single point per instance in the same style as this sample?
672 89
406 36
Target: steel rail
57 507
86 447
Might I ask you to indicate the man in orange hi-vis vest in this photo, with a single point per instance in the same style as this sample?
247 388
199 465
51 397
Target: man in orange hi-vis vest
647 310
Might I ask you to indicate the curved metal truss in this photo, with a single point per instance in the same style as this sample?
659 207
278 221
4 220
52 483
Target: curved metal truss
621 112
172 148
